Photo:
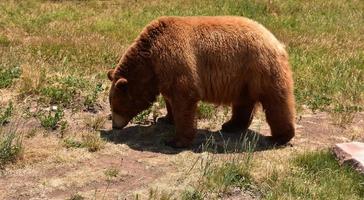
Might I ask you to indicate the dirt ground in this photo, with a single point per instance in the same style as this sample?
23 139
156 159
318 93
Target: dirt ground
142 162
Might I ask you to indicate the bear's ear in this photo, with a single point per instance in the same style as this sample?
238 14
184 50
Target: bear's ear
121 83
110 74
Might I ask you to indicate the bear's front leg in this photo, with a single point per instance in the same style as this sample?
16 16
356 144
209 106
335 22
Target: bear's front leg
184 119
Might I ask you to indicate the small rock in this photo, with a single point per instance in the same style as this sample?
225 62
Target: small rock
351 153
54 108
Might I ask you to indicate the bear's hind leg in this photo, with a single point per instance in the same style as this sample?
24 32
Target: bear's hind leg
242 116
168 119
280 113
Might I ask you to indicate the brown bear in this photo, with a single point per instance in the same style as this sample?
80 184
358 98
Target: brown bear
222 60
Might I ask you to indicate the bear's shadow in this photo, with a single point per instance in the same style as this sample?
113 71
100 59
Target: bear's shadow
153 138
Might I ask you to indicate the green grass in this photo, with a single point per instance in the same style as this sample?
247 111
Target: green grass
52 120
230 174
316 175
8 75
11 146
91 98
5 114
205 111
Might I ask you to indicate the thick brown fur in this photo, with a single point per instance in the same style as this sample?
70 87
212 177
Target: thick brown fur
223 60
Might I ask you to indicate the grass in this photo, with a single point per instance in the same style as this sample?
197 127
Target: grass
4 41
205 111
5 114
89 140
230 174
313 175
11 146
8 75
111 173
323 40
52 120
76 197
95 122
221 175
91 98
326 178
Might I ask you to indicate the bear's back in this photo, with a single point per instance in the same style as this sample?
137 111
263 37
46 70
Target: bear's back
220 53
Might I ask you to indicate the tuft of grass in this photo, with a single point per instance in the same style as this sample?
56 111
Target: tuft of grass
6 114
8 75
326 178
91 141
205 111
11 146
76 197
52 121
4 41
32 79
96 122
155 194
72 143
111 173
192 195
230 174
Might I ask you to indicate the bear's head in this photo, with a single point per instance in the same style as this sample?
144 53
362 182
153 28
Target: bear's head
129 96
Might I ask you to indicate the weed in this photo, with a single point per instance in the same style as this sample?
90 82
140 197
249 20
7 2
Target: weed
58 95
111 173
76 197
51 121
8 75
11 147
205 111
6 115
72 143
142 117
192 195
64 90
91 99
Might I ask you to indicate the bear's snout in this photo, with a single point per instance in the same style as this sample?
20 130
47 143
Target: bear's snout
119 122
